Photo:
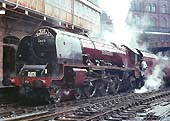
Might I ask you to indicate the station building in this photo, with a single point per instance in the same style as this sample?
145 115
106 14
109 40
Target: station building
153 18
19 18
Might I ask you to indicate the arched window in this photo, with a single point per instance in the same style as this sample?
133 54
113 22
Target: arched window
138 6
153 9
148 7
137 19
133 6
153 22
163 10
164 22
11 40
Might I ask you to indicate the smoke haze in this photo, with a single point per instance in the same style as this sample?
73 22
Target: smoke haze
122 34
155 81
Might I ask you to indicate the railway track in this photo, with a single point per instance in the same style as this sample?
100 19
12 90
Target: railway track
20 113
122 107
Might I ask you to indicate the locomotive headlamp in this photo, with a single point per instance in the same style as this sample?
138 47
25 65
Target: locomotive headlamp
12 80
43 81
19 55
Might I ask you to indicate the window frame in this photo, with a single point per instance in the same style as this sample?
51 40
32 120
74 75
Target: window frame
153 8
148 7
163 22
164 8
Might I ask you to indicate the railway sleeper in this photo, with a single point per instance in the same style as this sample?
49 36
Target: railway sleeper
152 117
76 116
122 117
87 113
110 118
65 119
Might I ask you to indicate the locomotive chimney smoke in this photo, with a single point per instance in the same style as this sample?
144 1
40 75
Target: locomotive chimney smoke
122 34
155 81
126 27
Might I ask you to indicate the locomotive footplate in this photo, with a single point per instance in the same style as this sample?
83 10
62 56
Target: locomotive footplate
94 67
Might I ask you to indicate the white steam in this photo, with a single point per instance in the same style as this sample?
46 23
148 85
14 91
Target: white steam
155 81
122 34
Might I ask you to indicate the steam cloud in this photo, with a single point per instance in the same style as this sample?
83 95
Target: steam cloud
126 26
155 81
122 33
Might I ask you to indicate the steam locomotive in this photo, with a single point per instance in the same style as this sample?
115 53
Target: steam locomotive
52 64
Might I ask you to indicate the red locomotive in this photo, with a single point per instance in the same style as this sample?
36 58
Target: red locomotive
53 63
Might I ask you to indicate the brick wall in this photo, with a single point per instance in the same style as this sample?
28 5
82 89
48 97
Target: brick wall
22 29
158 16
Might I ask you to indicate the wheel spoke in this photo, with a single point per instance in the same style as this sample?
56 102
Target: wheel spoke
57 97
78 94
90 90
107 87
114 85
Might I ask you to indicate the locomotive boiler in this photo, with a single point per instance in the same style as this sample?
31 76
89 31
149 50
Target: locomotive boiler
52 64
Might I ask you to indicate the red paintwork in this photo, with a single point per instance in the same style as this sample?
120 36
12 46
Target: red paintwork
120 57
80 76
95 54
129 59
17 81
151 62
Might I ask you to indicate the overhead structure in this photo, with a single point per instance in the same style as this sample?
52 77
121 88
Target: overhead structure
74 14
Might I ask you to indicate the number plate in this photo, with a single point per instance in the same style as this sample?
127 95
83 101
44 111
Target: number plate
32 74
